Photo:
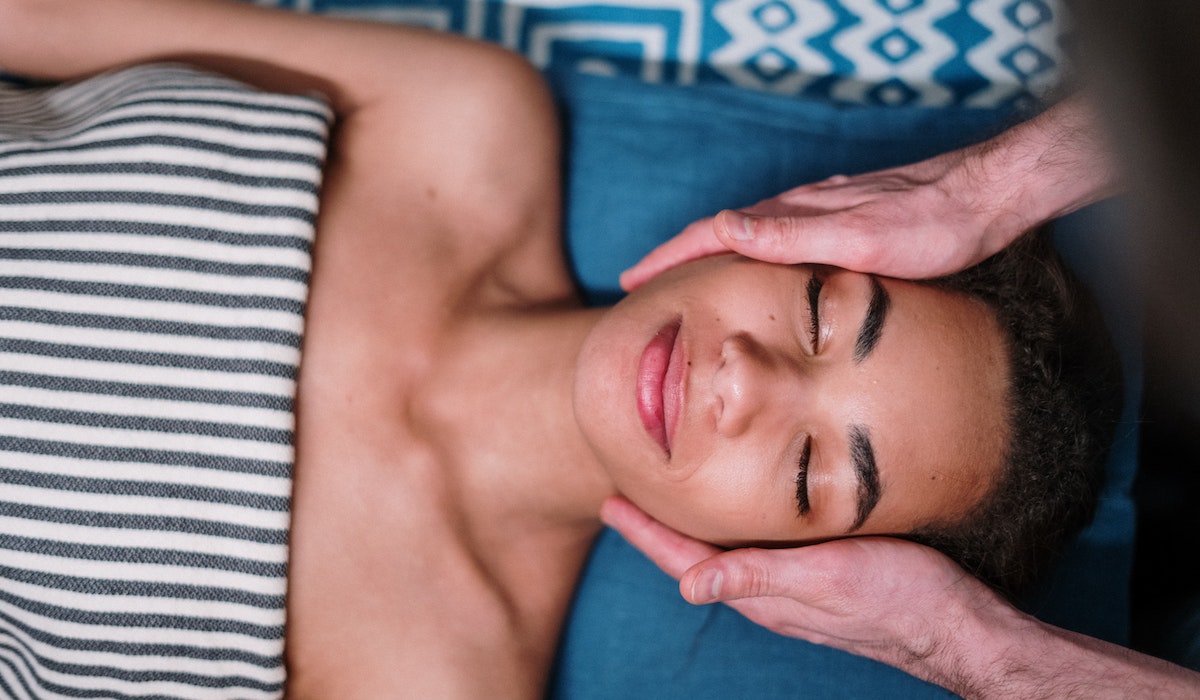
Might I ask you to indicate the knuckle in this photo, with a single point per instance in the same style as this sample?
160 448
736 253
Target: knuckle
781 237
749 577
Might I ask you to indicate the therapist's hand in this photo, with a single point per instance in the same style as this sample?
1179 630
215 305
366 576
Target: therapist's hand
907 606
917 221
897 602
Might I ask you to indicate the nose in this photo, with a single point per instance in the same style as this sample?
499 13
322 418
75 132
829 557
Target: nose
748 381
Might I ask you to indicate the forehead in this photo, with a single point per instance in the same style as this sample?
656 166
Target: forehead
939 412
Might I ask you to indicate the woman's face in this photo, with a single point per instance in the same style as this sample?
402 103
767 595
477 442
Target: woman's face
743 402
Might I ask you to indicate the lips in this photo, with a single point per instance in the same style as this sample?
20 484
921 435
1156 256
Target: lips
660 385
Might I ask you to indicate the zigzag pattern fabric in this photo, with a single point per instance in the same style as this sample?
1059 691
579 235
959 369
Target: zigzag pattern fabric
975 53
155 234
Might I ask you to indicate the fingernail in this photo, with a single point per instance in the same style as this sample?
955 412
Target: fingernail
707 587
739 227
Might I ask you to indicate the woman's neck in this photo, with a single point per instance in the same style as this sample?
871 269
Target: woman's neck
505 412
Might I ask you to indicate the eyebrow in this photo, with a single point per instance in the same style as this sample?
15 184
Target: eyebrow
869 489
872 325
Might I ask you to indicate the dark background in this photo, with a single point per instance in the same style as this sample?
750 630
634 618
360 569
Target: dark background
1142 61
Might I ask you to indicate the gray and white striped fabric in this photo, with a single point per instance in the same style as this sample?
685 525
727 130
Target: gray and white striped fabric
155 234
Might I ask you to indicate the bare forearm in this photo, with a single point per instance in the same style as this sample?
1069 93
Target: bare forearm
351 62
64 39
1047 167
1009 654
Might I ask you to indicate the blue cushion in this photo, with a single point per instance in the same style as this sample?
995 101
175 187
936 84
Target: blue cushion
643 161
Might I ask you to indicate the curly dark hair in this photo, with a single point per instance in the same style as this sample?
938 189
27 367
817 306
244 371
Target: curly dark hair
1064 400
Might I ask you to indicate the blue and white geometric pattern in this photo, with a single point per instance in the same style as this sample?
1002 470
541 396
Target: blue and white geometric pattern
982 53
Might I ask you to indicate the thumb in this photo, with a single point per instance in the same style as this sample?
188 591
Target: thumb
739 573
778 239
838 238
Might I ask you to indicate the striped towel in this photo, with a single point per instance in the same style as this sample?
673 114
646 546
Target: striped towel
156 225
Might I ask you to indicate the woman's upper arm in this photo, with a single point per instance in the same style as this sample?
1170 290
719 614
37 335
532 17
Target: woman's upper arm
443 144
354 63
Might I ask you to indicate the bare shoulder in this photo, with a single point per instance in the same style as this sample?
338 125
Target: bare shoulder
445 151
455 175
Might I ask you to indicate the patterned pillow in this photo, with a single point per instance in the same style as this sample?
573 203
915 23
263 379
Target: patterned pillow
155 234
890 53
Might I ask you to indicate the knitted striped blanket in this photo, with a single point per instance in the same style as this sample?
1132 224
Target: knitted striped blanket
155 235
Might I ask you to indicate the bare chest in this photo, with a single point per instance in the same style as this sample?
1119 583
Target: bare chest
403 581
415 567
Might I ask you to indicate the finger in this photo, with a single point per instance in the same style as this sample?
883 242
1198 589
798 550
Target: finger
744 573
833 181
671 551
832 238
694 242
817 197
817 570
778 239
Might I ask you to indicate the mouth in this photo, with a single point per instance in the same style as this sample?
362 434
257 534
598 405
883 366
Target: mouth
660 385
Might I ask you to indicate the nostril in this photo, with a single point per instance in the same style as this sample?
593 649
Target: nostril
730 385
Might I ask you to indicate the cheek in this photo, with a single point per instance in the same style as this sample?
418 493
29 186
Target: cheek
597 399
723 499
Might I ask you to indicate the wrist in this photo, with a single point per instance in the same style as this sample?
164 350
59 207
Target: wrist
1006 659
990 174
989 652
998 651
1045 168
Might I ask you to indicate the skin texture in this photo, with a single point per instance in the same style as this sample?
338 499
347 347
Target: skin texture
757 392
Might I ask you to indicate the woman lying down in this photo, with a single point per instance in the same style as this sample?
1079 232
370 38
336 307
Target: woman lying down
460 416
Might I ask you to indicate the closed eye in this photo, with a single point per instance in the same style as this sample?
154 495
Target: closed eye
814 310
802 478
